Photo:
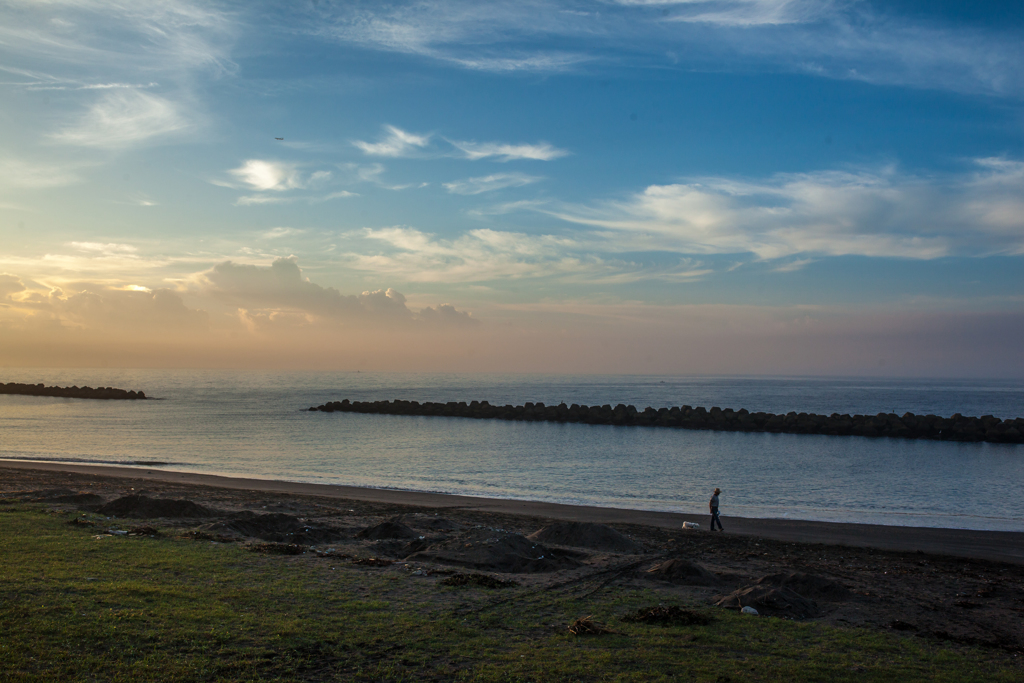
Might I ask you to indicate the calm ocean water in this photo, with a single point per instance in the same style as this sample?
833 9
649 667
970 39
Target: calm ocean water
254 424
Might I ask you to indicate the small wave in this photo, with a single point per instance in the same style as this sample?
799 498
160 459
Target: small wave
95 461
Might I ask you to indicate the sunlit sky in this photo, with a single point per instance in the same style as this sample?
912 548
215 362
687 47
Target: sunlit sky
642 186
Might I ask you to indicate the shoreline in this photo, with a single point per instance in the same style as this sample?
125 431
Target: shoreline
999 546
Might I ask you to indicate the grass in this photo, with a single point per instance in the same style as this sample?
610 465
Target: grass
73 607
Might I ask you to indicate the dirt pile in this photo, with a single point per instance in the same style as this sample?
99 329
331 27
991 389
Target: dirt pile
276 527
807 585
683 572
496 551
148 508
586 535
388 531
776 602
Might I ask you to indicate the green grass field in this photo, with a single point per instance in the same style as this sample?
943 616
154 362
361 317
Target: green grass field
73 607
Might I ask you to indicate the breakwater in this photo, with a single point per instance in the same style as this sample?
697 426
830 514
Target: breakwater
108 393
906 426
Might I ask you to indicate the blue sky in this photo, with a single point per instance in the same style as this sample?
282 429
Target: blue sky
784 187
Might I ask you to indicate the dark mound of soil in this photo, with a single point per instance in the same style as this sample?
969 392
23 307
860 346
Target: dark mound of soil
373 562
671 615
387 531
256 525
481 580
678 570
143 507
808 585
586 535
496 551
778 602
415 546
275 526
79 521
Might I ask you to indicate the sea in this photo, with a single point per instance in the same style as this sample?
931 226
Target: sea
257 424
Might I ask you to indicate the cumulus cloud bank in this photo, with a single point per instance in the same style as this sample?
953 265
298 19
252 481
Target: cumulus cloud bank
96 307
281 289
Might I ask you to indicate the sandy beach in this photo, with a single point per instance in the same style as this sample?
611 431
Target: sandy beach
998 546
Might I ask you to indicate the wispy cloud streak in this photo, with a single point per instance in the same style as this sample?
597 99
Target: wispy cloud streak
879 214
124 118
395 143
503 151
835 39
486 255
490 183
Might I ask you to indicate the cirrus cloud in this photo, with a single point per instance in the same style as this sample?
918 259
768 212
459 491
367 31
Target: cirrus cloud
843 40
396 143
486 255
124 118
490 183
501 151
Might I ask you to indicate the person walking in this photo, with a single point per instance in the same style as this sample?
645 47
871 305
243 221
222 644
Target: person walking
714 510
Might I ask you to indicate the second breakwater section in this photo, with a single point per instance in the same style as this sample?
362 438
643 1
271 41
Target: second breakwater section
907 426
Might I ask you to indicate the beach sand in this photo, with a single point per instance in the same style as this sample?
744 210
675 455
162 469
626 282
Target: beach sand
1002 546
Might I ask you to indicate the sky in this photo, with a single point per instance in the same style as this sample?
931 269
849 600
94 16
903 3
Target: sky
748 187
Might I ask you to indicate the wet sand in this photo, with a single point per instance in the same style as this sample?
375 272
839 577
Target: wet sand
1001 546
